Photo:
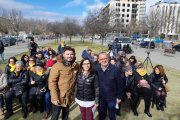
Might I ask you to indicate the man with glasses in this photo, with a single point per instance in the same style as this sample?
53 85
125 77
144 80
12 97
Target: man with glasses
111 87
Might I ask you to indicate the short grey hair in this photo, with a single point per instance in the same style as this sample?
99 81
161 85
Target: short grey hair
20 63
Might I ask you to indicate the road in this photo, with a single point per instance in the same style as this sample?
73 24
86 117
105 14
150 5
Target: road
22 47
157 56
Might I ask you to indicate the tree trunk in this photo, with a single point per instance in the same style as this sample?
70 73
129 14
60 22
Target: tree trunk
83 38
56 40
60 37
17 38
102 41
92 40
70 39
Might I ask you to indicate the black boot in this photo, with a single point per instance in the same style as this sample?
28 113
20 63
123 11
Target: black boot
118 112
24 114
7 115
148 113
135 112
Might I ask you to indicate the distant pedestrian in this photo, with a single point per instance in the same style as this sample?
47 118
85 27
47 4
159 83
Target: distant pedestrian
61 47
32 47
2 51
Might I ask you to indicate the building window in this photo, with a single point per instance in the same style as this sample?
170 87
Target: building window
122 20
132 0
122 15
123 4
128 5
123 10
127 10
118 4
127 20
127 15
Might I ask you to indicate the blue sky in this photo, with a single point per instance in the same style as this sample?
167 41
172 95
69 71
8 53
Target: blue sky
53 10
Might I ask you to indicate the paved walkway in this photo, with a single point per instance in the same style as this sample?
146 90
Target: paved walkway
15 50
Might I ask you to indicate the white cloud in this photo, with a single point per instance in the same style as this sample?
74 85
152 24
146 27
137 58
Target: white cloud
97 5
9 4
75 3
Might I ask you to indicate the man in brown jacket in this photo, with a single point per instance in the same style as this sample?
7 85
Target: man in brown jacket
62 82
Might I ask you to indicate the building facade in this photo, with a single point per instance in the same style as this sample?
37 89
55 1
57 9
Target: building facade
124 11
170 17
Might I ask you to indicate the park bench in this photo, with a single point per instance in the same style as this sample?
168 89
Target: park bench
171 51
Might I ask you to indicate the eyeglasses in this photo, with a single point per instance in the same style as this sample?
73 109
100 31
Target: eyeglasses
103 59
86 64
11 61
31 60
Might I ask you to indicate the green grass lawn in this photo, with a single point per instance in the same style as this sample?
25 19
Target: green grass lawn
173 99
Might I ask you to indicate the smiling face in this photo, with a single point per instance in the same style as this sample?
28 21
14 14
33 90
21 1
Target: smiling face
103 59
86 65
68 55
38 69
18 67
157 71
11 61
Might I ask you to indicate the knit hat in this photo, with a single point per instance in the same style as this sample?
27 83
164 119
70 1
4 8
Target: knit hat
40 64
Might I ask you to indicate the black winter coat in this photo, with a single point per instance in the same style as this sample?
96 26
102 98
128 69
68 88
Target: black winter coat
157 81
138 77
18 80
87 88
130 83
7 71
40 81
1 47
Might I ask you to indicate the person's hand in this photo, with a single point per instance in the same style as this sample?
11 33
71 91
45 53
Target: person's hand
96 105
160 89
163 81
128 95
32 82
118 100
143 81
56 102
43 89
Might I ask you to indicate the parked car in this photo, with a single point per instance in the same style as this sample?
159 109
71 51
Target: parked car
177 47
9 41
146 44
121 44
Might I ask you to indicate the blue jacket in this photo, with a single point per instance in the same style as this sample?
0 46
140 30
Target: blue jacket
111 84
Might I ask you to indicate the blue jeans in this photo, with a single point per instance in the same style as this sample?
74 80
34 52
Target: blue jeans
47 102
105 105
2 57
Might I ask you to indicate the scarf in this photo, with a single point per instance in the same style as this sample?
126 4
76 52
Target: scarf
12 67
31 66
40 73
141 73
62 45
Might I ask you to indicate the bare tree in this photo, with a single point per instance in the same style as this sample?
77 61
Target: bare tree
90 24
70 28
56 28
16 20
4 22
132 27
153 21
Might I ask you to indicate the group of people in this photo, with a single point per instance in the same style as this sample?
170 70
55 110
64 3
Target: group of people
51 81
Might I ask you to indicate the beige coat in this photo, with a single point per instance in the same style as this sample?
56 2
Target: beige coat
62 81
3 82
